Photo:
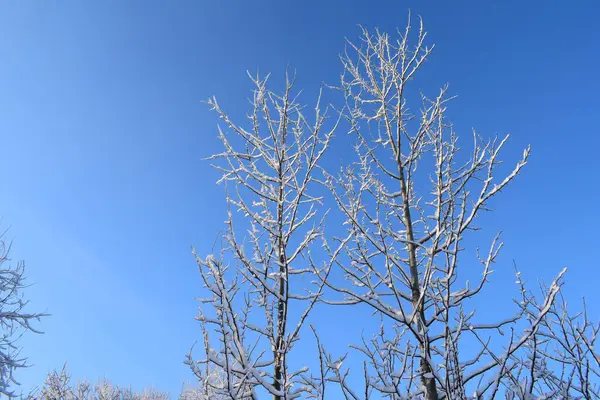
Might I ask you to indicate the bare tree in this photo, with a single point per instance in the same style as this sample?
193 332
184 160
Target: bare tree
14 318
210 387
260 307
58 386
195 393
408 201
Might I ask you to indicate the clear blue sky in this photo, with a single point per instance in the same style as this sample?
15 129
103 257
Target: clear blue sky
102 131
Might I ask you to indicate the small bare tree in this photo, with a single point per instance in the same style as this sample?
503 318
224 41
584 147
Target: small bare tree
210 387
260 307
58 386
14 319
408 201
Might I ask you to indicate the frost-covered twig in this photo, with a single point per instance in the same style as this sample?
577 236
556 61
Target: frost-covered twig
14 318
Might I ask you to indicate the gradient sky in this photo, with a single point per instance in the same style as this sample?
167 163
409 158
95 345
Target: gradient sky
102 131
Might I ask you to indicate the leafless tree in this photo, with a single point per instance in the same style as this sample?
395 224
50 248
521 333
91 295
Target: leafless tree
210 387
14 318
259 308
58 385
194 393
409 200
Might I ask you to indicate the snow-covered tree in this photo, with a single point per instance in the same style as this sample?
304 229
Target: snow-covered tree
409 201
14 318
209 388
210 385
257 286
58 385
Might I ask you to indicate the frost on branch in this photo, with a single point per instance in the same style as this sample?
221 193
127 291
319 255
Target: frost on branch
58 385
257 295
408 200
14 319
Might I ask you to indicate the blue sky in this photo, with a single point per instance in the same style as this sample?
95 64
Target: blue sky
102 131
